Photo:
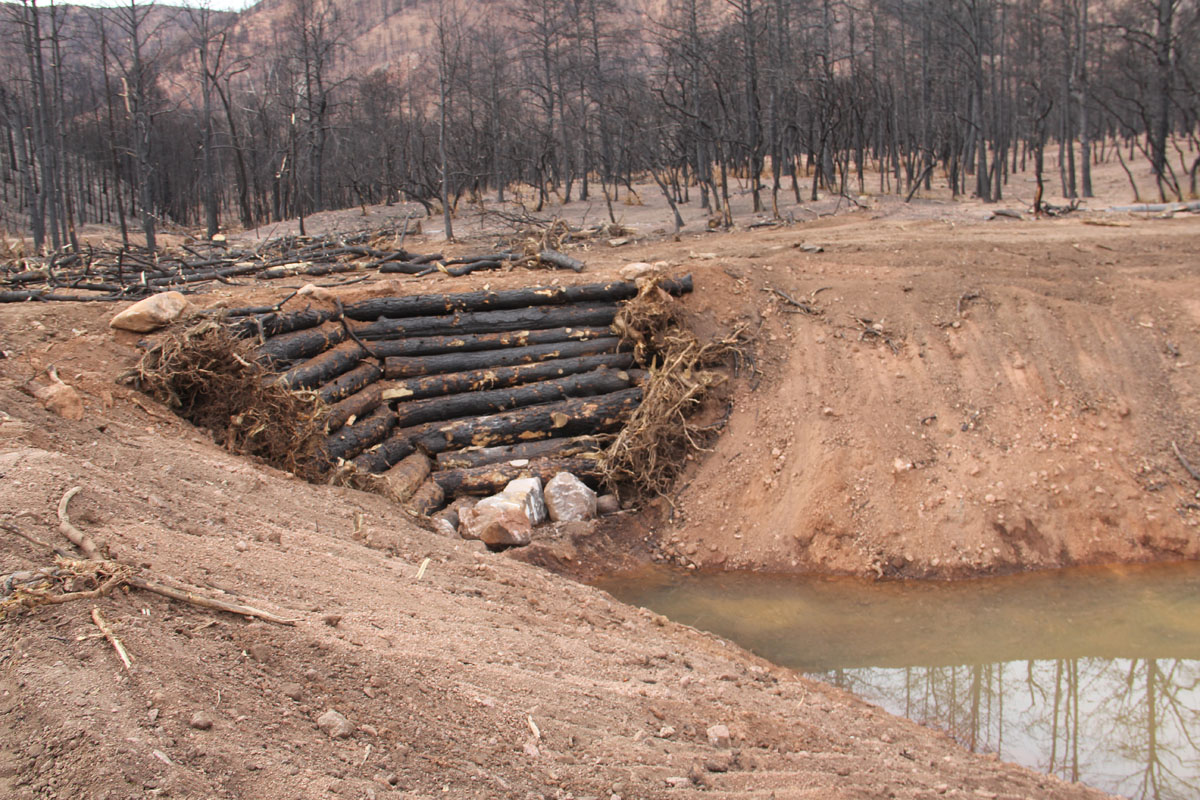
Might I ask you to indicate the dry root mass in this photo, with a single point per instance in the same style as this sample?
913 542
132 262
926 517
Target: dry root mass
652 448
209 378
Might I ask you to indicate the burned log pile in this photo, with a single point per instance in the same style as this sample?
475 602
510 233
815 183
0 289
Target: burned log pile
426 398
124 273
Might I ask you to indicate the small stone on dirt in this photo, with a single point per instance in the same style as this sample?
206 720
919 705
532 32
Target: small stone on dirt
293 691
332 620
718 736
152 313
568 499
719 762
201 721
259 652
335 725
607 504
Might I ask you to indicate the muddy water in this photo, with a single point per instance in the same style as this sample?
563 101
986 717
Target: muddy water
1090 674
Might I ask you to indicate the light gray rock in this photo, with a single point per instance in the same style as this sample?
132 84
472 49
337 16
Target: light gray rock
718 736
528 492
568 499
201 721
335 725
152 313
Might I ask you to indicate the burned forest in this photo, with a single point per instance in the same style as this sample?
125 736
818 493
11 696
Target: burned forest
149 117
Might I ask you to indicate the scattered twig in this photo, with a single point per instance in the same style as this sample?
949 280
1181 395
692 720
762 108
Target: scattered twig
421 571
804 307
966 298
102 624
32 539
1190 470
119 577
207 602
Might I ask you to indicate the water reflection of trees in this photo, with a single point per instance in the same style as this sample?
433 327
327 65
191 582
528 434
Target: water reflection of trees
1126 726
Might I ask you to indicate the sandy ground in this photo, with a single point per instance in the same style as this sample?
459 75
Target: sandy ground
968 397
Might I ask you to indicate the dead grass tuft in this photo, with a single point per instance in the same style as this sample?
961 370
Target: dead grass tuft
207 376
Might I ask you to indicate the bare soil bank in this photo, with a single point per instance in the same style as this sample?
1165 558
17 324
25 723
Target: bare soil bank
951 399
491 678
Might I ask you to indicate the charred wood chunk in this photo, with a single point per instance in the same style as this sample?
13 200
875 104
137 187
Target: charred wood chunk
492 478
401 482
560 260
483 379
350 382
486 322
564 418
325 367
470 343
304 268
390 451
276 323
353 439
300 344
545 448
404 267
601 381
434 304
428 498
395 368
358 404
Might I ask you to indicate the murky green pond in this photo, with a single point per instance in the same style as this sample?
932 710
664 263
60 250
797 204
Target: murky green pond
1091 674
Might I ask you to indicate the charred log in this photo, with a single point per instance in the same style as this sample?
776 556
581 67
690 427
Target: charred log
438 345
436 304
325 367
353 439
356 405
396 368
483 379
300 344
486 322
350 382
602 381
545 448
564 418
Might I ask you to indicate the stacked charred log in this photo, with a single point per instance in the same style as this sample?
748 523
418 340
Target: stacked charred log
456 394
98 273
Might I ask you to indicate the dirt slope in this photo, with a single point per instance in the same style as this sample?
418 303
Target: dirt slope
485 677
967 397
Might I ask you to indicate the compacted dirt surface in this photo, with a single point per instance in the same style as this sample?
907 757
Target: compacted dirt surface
928 396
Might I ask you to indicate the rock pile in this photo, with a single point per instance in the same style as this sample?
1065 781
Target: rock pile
508 518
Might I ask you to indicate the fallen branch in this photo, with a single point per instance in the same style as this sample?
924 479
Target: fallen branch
88 547
77 537
207 602
102 624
